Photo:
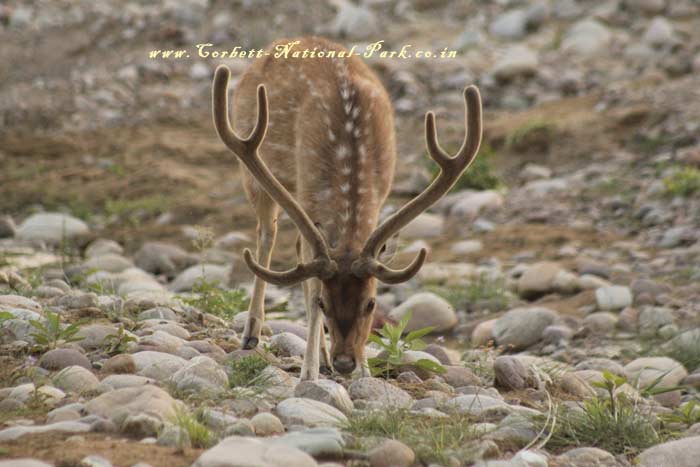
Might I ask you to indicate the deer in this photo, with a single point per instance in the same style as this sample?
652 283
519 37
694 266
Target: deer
323 129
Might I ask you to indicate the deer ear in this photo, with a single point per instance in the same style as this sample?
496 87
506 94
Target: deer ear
388 250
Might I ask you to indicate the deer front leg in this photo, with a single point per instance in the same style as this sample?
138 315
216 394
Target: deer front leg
314 317
267 233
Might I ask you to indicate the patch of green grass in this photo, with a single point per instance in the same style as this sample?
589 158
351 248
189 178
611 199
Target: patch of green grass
480 290
135 210
246 371
480 175
649 145
685 349
193 424
532 135
433 439
614 422
209 297
683 181
388 339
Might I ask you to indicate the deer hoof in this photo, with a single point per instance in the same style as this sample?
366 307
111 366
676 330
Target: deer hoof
250 343
326 370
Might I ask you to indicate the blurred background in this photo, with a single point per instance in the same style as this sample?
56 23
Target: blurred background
592 118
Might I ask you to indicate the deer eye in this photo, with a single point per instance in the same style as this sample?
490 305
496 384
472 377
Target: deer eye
371 303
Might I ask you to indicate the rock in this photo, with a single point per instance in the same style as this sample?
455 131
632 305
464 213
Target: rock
76 379
122 363
7 227
103 246
391 453
286 344
267 424
515 430
426 225
157 365
522 327
476 404
93 336
316 442
511 374
326 391
652 319
107 262
681 452
458 376
112 382
614 297
14 432
279 326
58 359
470 204
353 21
52 228
308 412
141 425
647 6
601 323
585 456
209 272
174 436
161 341
159 313
375 389
24 463
539 279
427 309
466 247
163 258
518 60
509 25
587 37
77 300
483 333
676 236
201 375
444 355
659 33
644 371
117 405
9 302
236 451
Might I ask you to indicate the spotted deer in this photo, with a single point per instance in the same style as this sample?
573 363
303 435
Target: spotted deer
324 130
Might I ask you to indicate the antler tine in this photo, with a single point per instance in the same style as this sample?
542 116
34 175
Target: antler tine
451 168
316 268
373 267
247 151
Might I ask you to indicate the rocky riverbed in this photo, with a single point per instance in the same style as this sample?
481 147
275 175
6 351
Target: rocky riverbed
562 285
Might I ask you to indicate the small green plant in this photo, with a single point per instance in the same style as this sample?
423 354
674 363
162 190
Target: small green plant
393 347
687 414
481 174
433 439
199 435
683 182
5 315
118 343
615 422
48 336
536 134
246 371
211 298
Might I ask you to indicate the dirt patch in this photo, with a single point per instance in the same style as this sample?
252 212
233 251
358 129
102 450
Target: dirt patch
121 452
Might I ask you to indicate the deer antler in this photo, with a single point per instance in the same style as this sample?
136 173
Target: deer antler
247 151
451 168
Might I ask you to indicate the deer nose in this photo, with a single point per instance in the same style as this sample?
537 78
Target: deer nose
344 364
